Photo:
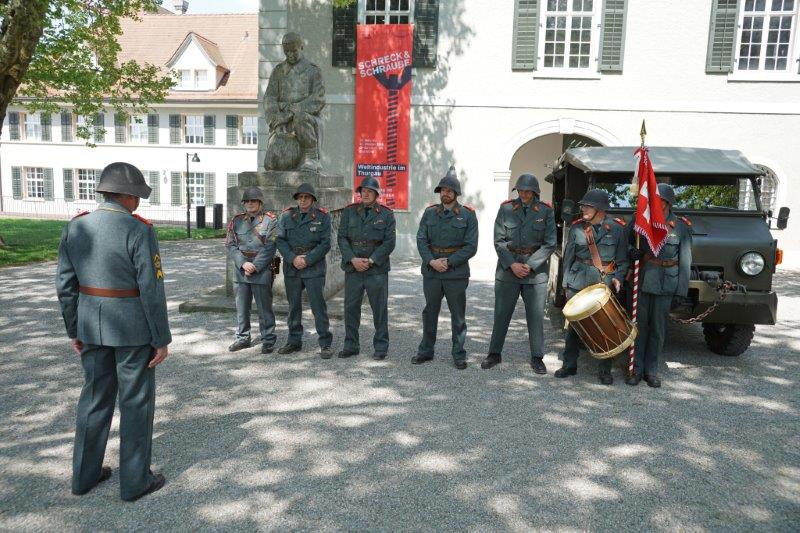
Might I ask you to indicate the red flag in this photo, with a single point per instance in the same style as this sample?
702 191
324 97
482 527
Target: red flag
650 221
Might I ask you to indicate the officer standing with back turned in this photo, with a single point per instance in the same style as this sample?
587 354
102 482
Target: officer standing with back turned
111 289
446 240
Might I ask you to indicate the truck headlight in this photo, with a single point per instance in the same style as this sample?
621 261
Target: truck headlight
752 263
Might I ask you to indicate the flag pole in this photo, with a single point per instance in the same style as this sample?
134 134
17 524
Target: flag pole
635 301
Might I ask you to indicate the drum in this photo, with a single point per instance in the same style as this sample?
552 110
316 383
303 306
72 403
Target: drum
600 321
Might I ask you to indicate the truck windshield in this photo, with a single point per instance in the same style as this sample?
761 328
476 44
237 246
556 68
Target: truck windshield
696 193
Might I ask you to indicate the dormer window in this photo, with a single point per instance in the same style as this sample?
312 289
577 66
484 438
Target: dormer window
198 64
200 79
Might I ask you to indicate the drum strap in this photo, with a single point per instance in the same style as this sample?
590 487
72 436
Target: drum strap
596 261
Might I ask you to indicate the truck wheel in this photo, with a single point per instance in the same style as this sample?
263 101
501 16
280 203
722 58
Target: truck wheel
728 339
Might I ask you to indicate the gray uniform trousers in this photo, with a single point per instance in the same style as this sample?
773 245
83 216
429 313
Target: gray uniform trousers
506 295
573 343
455 291
314 289
245 292
651 320
107 369
377 288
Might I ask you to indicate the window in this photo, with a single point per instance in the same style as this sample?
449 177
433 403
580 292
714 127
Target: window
82 121
386 11
767 40
197 188
249 130
200 77
570 37
138 129
185 79
34 182
87 179
33 126
193 129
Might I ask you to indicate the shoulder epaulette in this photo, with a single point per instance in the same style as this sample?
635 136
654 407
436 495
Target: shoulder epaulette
576 221
379 206
510 200
80 214
354 204
270 214
324 210
671 223
620 221
141 219
288 209
546 203
607 226
686 221
432 206
469 207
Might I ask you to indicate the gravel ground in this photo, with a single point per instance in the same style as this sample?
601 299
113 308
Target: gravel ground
294 442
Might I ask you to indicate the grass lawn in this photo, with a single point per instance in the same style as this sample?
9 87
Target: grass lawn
29 240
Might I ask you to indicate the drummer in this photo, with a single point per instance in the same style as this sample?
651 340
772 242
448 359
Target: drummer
596 252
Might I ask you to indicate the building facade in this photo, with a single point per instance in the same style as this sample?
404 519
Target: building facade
501 88
48 171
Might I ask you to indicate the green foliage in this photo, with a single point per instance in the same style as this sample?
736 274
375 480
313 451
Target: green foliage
703 196
76 62
343 3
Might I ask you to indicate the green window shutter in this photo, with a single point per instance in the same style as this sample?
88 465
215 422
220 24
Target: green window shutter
152 129
66 127
153 181
209 126
612 35
233 179
47 127
426 33
525 40
175 129
120 125
48 184
211 180
343 51
232 129
13 126
69 188
177 190
721 36
16 182
99 126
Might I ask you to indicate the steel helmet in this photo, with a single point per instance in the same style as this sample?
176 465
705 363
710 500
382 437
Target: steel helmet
123 178
666 192
370 183
253 193
450 180
597 198
305 188
527 182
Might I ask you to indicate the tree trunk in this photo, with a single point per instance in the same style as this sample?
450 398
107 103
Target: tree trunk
20 32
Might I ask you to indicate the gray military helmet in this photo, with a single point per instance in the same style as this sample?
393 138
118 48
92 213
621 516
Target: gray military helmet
123 178
666 192
370 183
450 180
305 188
253 193
597 198
527 182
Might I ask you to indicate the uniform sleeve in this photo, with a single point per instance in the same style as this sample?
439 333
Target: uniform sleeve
547 248
622 254
281 241
267 252
341 237
318 253
470 247
424 240
381 254
150 279
685 263
232 244
501 241
67 286
569 256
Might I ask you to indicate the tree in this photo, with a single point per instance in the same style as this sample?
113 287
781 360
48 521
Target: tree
56 52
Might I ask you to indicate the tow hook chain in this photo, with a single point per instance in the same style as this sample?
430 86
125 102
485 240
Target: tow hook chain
723 289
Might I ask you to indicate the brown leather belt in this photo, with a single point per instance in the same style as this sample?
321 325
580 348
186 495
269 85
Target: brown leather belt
362 244
523 250
663 262
250 255
452 250
110 293
302 249
608 266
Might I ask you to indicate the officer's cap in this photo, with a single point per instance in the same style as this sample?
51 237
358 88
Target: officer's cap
123 178
527 182
450 180
253 193
370 183
597 198
305 188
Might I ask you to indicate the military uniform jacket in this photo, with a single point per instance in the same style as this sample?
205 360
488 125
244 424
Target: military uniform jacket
252 239
611 239
442 228
515 232
308 235
672 280
112 249
367 233
300 83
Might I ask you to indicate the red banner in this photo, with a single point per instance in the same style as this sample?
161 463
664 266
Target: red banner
383 108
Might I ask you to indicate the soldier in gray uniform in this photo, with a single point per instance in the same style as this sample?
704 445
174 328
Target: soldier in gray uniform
250 240
366 239
524 238
111 289
446 240
581 268
664 280
304 239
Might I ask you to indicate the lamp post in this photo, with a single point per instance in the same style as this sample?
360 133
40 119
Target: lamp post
195 159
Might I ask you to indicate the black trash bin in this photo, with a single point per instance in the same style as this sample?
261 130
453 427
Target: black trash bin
201 216
217 216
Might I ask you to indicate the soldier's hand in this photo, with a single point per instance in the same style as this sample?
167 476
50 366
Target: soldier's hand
520 270
249 268
77 346
616 284
439 265
159 354
299 262
360 264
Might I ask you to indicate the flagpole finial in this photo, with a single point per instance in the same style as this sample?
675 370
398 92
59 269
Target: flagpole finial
643 133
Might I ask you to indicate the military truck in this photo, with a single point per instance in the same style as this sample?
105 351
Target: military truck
718 192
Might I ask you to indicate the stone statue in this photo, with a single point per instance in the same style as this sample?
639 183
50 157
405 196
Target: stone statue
293 103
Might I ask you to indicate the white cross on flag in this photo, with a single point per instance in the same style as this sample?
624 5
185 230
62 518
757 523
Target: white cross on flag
650 221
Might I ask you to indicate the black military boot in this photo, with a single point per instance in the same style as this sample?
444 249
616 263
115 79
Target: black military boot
606 378
460 364
652 381
538 366
289 348
326 352
633 380
565 372
239 344
491 360
347 353
267 348
419 359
